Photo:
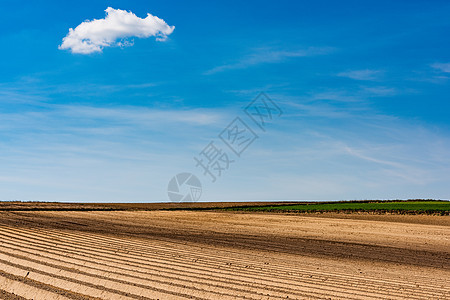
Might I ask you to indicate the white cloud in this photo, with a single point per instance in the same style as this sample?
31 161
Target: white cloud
442 67
361 74
113 30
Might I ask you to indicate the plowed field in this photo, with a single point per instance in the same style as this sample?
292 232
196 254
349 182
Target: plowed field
221 255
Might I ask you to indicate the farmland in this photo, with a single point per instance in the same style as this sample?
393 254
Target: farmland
142 253
412 207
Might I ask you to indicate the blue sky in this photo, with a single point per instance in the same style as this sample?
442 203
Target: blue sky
363 86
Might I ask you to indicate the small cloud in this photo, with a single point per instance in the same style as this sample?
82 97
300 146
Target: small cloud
114 30
380 91
443 67
361 74
268 56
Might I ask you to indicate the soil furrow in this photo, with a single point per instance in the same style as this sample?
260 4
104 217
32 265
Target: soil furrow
389 282
382 293
315 282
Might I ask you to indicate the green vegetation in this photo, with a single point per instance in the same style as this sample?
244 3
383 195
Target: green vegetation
401 207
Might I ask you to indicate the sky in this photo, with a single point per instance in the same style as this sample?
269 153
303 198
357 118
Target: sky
107 101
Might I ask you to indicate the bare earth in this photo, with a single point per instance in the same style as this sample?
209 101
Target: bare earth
222 255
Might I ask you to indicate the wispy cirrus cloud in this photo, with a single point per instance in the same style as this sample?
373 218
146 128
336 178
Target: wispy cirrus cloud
358 156
141 115
365 74
265 55
59 118
443 67
337 150
114 30
382 91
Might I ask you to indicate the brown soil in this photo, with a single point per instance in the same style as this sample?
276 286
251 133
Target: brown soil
222 255
36 206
